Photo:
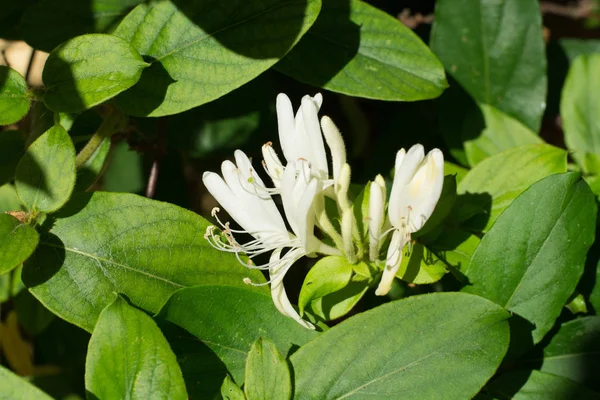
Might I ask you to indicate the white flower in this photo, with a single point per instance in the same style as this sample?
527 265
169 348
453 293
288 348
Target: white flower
244 196
376 215
301 138
416 189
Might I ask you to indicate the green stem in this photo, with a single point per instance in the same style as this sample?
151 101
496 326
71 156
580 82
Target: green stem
113 123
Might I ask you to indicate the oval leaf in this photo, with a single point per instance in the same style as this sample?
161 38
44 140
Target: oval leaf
129 358
501 178
328 275
231 391
200 52
369 54
116 242
497 63
230 319
14 102
16 388
88 70
45 175
414 348
267 373
579 109
531 260
17 242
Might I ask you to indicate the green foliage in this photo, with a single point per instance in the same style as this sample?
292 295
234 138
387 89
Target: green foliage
88 70
14 99
267 373
427 341
548 230
128 357
498 63
231 391
369 54
17 242
45 176
579 108
199 52
16 388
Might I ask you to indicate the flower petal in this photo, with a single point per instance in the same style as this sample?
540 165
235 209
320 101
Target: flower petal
404 171
394 258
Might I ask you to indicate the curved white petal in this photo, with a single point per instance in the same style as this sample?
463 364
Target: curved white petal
272 164
336 145
314 137
376 214
394 258
286 125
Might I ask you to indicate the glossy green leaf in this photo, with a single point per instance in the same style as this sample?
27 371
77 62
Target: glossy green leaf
495 50
9 201
48 23
14 387
421 266
415 348
14 101
88 70
231 391
369 54
12 148
579 110
499 179
573 48
114 242
124 172
129 358
500 133
17 242
573 352
455 248
536 385
229 319
539 244
454 169
267 373
328 275
46 174
200 52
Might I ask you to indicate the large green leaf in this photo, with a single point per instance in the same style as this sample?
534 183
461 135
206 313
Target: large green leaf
573 352
115 242
48 23
536 385
12 148
17 242
579 109
267 373
14 101
495 50
416 348
129 358
88 70
14 387
229 319
200 51
531 260
45 175
9 201
501 133
369 54
499 179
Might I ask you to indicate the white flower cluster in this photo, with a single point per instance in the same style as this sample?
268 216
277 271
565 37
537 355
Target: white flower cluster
303 181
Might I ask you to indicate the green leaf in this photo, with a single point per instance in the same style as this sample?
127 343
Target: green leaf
328 275
499 179
498 63
48 23
114 242
9 201
267 373
500 133
128 357
14 387
531 260
88 70
573 352
229 319
14 100
89 172
12 148
34 318
455 248
200 52
454 169
17 242
415 348
231 391
579 110
124 172
536 385
421 266
46 174
369 54
573 48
